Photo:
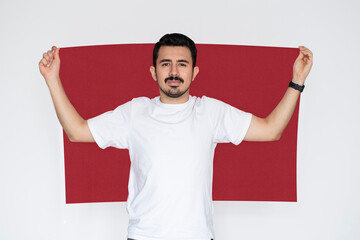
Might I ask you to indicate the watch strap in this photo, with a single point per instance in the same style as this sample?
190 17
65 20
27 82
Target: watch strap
296 86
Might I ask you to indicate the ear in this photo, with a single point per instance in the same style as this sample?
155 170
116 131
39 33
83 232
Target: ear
153 73
195 72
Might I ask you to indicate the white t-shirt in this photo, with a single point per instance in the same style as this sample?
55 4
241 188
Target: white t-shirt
171 149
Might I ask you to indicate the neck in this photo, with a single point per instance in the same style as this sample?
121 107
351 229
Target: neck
169 100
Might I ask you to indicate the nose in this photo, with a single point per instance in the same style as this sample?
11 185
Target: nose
174 70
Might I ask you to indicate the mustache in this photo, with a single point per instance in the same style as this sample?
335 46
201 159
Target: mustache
174 78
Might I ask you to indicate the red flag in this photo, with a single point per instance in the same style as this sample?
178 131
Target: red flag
99 78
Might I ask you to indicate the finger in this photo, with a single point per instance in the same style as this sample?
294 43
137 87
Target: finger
303 47
41 64
305 50
44 62
308 55
46 56
56 52
50 54
300 56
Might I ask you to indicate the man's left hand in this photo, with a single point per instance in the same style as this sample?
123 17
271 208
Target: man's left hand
302 65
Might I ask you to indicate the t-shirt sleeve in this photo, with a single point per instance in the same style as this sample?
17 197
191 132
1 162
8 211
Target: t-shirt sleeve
231 124
111 129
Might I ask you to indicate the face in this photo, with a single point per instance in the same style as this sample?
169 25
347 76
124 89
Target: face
174 72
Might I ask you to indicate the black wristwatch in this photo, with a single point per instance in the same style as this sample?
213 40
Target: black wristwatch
296 86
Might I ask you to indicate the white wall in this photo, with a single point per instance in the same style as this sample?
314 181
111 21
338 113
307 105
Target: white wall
32 199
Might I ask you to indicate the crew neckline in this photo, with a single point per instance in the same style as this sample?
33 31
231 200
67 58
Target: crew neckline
173 105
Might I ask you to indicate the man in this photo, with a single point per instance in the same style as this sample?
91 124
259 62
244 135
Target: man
171 139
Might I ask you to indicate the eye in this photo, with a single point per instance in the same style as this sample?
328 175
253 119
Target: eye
183 64
165 64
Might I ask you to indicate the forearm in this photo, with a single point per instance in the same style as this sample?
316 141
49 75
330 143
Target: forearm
69 118
279 118
272 127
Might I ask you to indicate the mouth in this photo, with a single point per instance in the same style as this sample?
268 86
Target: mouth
174 83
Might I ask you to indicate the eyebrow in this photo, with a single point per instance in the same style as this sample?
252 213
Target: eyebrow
183 60
169 60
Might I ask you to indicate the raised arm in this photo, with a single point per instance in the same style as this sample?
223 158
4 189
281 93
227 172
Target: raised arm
272 127
75 126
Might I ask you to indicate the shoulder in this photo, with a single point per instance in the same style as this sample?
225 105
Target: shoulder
210 102
134 103
138 102
217 107
210 106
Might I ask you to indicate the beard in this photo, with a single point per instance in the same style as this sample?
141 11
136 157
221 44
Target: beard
174 91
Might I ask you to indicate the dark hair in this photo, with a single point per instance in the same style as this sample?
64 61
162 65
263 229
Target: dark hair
175 39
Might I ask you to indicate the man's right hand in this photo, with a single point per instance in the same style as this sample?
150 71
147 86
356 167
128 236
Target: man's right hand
49 65
74 125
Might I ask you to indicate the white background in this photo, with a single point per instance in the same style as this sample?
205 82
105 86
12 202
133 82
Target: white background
32 188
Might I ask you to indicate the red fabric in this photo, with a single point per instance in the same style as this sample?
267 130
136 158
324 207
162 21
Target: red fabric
99 78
